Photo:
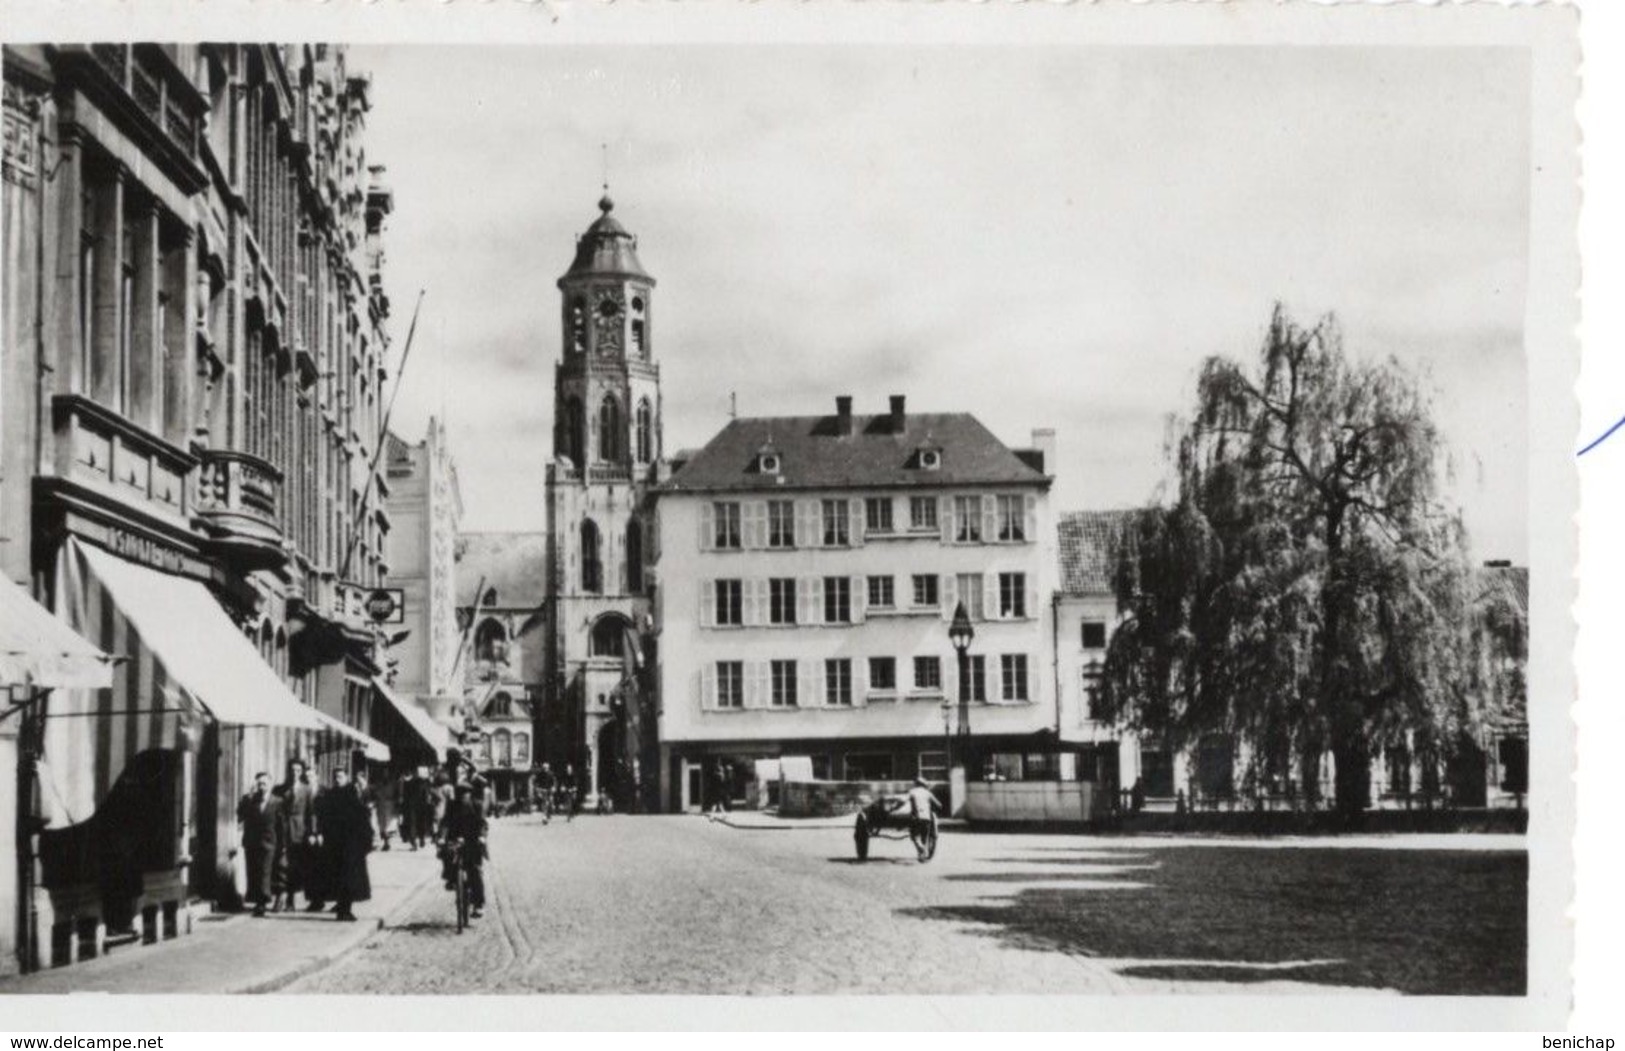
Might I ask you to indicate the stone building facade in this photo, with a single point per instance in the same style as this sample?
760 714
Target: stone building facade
809 569
195 351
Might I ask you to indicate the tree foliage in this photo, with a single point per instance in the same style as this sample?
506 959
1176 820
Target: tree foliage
1308 590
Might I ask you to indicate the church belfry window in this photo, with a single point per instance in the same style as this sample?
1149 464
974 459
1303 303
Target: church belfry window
592 567
573 436
578 325
645 431
609 430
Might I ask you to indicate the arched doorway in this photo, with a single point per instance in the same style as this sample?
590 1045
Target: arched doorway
614 778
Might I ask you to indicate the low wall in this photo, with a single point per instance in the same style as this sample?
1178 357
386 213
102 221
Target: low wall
1034 802
834 798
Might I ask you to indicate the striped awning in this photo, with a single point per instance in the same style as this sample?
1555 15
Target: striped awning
39 650
435 736
184 661
340 734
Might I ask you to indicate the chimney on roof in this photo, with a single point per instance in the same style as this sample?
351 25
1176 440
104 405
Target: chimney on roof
898 415
1044 445
843 414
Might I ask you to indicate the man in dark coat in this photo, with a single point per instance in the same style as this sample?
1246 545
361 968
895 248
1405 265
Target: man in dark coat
465 825
299 833
415 809
256 812
345 827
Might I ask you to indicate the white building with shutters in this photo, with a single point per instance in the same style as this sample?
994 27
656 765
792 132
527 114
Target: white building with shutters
807 570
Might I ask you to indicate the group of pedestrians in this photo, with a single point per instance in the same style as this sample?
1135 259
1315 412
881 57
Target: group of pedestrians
301 839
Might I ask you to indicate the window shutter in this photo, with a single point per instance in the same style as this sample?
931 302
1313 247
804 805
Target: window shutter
855 522
990 597
806 696
990 518
708 603
807 599
708 686
755 524
708 527
860 599
1032 600
1032 518
754 672
946 508
750 611
950 595
860 682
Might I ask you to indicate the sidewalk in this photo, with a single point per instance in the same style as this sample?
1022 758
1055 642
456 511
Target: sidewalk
236 953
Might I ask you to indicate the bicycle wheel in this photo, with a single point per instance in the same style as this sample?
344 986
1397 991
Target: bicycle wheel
462 897
928 844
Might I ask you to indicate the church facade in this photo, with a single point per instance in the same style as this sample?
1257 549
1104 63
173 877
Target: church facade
596 716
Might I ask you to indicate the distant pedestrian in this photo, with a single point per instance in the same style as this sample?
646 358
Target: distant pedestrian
257 813
385 805
415 809
346 838
544 791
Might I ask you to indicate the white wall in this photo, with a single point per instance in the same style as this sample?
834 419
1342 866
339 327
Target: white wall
687 647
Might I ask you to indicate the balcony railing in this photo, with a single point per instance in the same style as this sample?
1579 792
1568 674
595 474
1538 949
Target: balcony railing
237 498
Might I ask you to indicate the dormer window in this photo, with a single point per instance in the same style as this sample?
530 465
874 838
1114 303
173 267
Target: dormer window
767 463
930 459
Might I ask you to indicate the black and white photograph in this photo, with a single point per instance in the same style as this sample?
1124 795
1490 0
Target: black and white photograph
836 515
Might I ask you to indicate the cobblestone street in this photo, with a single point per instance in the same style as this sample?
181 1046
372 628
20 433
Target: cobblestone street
682 905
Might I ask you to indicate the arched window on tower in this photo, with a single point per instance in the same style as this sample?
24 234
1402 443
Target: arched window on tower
592 568
490 640
639 339
646 431
609 430
501 706
608 636
578 325
502 748
573 432
634 557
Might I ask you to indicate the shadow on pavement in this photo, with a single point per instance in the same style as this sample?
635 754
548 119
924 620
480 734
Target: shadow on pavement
1425 922
872 861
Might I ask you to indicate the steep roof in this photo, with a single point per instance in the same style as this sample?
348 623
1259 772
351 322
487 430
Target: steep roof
515 564
815 455
1089 542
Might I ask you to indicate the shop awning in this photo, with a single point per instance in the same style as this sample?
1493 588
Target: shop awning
189 633
434 736
37 649
375 750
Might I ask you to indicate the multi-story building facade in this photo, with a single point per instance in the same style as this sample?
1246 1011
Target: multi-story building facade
809 568
597 715
502 612
193 357
425 507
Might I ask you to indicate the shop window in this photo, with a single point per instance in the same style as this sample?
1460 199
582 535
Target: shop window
868 767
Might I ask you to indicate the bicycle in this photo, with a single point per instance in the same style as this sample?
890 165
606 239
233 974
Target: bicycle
453 852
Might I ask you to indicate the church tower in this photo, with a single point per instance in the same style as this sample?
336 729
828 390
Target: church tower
606 445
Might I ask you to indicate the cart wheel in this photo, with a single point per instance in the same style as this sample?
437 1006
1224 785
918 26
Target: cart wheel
860 838
930 844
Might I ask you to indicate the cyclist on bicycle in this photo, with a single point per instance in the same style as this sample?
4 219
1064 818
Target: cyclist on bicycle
922 806
465 826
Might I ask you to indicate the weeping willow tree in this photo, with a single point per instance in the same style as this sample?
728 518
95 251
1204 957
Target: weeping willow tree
1308 590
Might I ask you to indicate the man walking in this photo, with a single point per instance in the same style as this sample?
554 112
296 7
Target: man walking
345 828
256 812
298 833
922 807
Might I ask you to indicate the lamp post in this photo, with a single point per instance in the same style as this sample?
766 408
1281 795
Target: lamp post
960 633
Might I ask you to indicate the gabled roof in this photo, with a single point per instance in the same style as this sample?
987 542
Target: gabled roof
1089 543
515 564
814 455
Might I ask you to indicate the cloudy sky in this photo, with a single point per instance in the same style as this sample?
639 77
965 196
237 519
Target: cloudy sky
1045 237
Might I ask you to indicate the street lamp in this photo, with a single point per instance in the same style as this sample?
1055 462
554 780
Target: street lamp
960 633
